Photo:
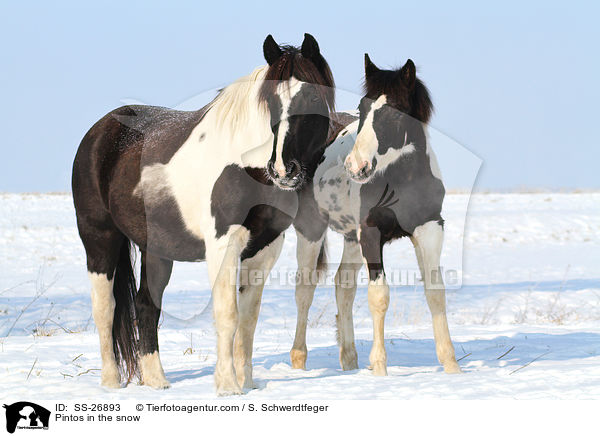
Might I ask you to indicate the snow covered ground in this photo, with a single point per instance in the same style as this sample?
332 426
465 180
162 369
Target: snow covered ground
525 323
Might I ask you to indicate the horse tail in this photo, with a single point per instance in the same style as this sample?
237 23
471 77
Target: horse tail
125 340
322 259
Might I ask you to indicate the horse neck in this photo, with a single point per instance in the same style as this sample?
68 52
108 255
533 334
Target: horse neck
240 121
422 157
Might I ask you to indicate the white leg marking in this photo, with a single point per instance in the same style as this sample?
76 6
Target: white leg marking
428 240
103 310
153 374
345 290
379 301
252 277
222 257
419 258
307 254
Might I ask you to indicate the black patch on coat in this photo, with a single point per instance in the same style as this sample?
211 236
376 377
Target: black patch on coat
309 221
246 196
417 196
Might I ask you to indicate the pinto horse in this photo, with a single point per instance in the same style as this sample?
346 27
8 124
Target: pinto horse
217 184
379 181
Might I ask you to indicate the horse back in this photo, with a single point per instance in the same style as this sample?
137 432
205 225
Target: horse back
108 164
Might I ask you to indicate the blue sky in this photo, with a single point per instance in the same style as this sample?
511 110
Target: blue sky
517 84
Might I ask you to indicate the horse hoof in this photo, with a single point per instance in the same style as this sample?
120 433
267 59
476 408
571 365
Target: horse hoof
379 369
298 358
226 392
349 366
452 368
250 386
247 384
157 384
348 360
111 380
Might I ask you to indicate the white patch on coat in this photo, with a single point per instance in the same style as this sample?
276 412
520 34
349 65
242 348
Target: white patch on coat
433 163
153 186
392 155
366 144
236 130
286 92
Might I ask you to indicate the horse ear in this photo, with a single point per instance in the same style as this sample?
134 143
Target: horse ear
370 67
271 50
408 74
310 49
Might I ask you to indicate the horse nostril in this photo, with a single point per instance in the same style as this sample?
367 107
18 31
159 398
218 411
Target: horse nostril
293 169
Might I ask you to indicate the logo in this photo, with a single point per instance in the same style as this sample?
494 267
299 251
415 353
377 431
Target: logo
26 415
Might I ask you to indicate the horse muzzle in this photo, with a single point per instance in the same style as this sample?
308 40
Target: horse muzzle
289 179
362 172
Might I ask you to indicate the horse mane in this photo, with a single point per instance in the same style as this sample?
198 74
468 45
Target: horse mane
422 104
388 82
234 103
292 64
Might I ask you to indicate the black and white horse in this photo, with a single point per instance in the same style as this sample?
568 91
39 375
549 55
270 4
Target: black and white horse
217 184
379 181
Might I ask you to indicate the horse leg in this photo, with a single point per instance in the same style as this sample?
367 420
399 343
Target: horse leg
371 244
345 290
103 308
102 248
254 273
307 254
419 259
154 279
427 240
222 257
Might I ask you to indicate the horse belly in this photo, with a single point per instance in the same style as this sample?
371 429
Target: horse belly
168 230
169 237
